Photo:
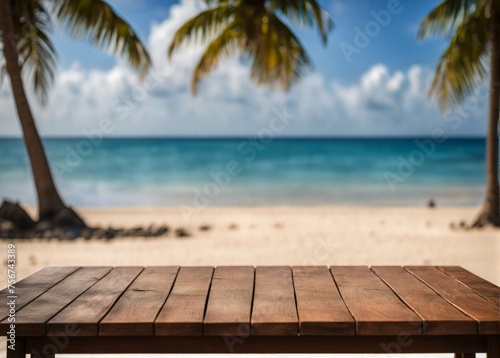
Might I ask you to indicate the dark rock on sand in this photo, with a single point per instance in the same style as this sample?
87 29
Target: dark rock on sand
87 233
181 232
15 223
111 233
43 226
14 213
68 218
431 203
134 232
162 230
6 225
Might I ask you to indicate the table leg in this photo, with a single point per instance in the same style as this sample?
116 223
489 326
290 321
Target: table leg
20 348
493 347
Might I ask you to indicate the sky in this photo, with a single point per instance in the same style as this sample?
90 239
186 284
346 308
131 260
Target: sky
371 79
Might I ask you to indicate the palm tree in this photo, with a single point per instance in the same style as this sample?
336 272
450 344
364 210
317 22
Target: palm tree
256 29
28 51
474 28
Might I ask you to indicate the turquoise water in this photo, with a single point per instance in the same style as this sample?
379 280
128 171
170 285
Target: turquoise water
202 172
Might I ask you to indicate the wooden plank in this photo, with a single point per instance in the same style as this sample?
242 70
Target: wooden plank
375 308
267 344
30 321
84 314
33 286
320 308
135 312
438 315
484 288
230 302
462 297
184 310
274 310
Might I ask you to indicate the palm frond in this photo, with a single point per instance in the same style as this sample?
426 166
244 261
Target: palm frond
202 27
278 56
96 21
254 28
447 16
223 46
37 54
305 13
463 64
219 2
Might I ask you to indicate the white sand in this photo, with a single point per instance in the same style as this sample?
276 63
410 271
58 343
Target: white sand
278 236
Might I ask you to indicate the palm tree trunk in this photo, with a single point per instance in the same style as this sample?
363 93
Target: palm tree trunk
490 214
49 201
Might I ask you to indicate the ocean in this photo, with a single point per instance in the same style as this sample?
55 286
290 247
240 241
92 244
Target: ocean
204 172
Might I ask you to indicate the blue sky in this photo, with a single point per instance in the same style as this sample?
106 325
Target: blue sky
380 89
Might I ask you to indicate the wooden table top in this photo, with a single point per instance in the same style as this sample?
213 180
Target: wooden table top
242 301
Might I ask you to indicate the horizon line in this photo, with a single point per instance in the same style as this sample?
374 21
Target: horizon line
251 136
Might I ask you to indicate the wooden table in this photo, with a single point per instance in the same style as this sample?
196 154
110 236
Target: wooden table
313 309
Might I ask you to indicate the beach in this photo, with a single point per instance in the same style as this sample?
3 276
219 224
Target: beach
278 236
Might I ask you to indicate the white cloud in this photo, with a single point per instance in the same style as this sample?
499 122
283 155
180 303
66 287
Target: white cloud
380 103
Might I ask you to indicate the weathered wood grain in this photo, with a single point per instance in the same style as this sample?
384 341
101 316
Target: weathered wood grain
375 308
230 301
274 310
135 311
184 310
320 308
30 321
484 312
84 314
33 286
438 315
484 288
